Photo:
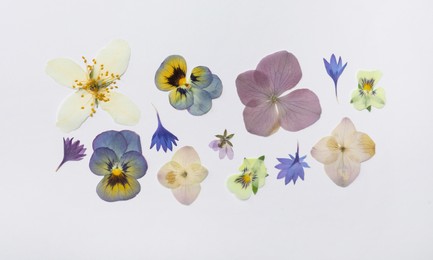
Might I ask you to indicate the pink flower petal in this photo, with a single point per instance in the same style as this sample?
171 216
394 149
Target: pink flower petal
261 120
283 71
223 152
298 109
230 153
186 156
253 88
187 194
343 171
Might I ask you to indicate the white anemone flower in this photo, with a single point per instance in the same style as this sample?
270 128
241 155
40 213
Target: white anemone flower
367 94
94 87
343 152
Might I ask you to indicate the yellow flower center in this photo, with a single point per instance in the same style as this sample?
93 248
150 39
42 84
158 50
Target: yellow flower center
367 84
367 87
170 178
247 178
99 86
116 171
182 81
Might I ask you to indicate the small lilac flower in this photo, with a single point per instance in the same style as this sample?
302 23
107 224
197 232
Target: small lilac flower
334 69
72 151
223 145
162 137
292 168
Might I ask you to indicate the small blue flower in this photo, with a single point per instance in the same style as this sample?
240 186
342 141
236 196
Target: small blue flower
334 69
292 168
163 138
72 151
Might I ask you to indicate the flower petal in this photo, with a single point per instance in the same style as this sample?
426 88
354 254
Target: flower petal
202 102
113 140
326 150
196 173
376 75
121 109
362 147
343 171
134 164
181 98
111 191
170 72
214 145
345 132
115 58
75 109
223 152
65 72
187 194
298 109
215 88
378 98
101 161
236 188
169 174
230 152
201 77
186 156
132 139
261 120
254 88
360 100
283 70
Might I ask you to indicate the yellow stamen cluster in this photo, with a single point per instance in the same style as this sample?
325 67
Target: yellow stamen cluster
99 86
170 178
116 171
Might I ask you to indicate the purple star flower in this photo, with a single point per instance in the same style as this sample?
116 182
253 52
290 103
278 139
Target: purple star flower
292 168
267 107
72 151
334 69
163 138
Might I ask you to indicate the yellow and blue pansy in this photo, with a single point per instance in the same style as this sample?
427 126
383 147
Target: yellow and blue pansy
117 156
194 93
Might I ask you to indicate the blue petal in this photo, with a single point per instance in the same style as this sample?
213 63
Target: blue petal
202 102
102 161
281 174
133 140
113 140
327 67
215 88
201 77
333 61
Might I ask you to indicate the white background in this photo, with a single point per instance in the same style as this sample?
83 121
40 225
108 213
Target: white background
387 213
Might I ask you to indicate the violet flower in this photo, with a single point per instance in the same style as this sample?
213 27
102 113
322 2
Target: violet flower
334 70
266 107
162 137
72 151
118 158
292 168
223 145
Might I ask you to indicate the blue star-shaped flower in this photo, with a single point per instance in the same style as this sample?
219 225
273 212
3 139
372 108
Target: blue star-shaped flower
163 138
292 168
334 69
